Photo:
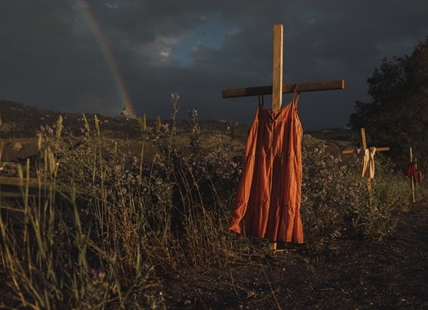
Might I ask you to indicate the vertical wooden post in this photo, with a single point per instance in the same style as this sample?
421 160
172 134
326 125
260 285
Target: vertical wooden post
278 42
363 138
412 178
415 182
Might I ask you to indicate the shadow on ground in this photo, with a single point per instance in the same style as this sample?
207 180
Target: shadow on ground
349 274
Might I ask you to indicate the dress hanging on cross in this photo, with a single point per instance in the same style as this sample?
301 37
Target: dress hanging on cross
267 204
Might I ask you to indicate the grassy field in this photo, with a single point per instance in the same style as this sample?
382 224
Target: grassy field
137 223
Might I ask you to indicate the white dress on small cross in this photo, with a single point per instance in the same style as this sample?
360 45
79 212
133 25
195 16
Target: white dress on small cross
367 156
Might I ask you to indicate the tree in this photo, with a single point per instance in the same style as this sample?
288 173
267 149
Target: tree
398 114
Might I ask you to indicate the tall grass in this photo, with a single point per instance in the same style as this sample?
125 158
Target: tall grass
121 220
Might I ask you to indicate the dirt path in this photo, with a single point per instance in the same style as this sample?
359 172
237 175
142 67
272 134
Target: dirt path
351 274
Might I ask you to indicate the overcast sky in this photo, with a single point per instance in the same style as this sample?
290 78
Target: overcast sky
96 56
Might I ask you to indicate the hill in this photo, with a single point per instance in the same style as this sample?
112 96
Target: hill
20 121
19 125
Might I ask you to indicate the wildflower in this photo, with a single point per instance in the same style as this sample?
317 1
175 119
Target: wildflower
97 275
192 113
135 161
175 97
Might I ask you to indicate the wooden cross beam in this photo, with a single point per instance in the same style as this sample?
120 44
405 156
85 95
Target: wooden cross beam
286 88
278 88
364 141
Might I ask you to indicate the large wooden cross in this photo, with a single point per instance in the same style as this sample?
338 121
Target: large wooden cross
278 88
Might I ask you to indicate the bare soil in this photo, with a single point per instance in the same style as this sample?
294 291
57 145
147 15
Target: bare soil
349 274
346 274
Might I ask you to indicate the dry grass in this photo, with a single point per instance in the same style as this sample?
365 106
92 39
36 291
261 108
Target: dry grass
129 211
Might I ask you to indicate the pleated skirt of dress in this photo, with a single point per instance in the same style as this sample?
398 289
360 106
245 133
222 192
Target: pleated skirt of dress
267 203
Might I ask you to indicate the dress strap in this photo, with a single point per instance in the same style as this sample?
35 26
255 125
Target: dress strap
296 95
261 100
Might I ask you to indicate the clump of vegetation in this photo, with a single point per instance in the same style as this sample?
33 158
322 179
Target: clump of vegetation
337 201
397 115
127 219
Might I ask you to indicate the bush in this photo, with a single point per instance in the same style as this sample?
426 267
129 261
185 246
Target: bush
337 201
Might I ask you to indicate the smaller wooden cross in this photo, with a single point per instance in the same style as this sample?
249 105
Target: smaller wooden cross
412 178
364 141
363 138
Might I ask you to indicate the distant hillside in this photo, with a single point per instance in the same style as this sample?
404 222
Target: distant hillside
19 125
20 121
340 134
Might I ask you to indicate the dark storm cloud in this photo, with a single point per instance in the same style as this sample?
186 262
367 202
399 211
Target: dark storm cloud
51 58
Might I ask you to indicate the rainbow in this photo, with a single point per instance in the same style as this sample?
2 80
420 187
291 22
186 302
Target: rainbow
108 54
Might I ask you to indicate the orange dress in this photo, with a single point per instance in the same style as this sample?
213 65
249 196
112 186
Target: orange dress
267 204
